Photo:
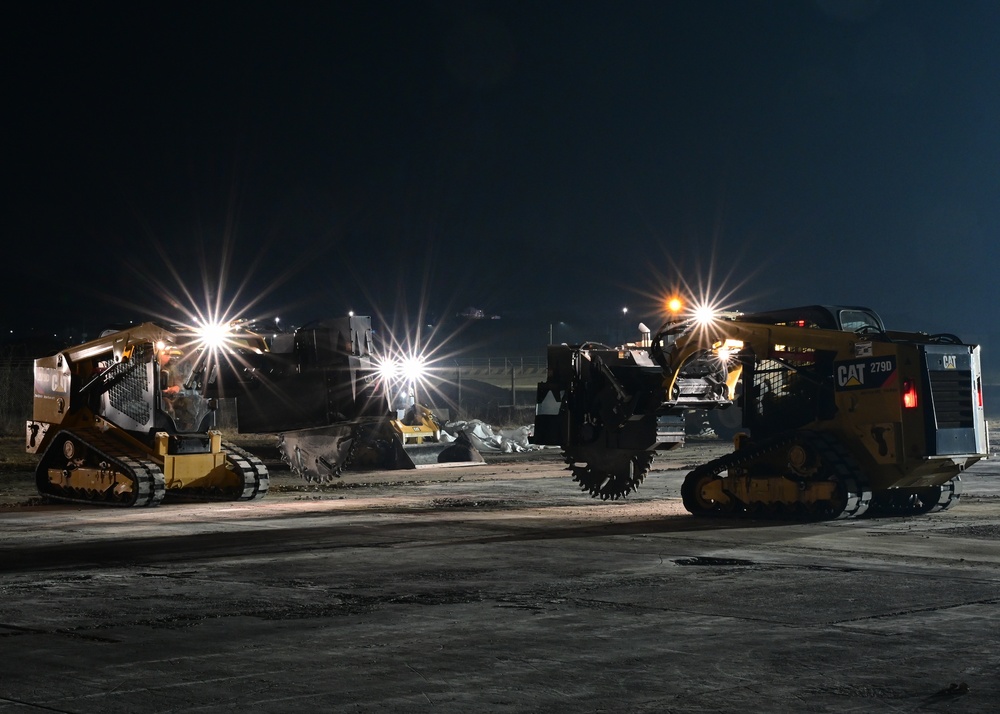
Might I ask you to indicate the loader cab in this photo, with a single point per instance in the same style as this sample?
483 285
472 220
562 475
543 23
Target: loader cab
182 378
847 318
791 387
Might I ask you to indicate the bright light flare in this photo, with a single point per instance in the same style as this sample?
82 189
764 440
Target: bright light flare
209 344
704 314
388 369
413 368
727 349
404 368
213 335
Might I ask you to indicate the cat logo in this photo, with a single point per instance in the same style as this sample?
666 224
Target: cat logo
949 361
851 375
870 373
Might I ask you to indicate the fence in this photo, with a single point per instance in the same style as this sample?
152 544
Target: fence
500 365
497 390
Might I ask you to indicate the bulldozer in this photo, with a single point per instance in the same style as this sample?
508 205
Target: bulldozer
839 416
126 420
335 401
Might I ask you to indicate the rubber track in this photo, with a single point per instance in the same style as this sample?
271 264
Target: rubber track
831 452
145 474
256 480
905 502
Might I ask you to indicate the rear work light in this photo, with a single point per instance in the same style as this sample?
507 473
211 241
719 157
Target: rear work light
909 394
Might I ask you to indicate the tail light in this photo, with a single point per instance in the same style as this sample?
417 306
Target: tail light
979 391
909 394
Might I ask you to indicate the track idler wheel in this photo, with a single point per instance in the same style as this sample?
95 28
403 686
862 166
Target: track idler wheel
918 501
940 498
703 495
848 500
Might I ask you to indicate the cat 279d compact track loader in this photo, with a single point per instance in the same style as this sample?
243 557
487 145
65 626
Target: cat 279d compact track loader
125 420
840 416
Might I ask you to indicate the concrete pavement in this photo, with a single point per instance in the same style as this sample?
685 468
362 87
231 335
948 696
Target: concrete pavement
497 588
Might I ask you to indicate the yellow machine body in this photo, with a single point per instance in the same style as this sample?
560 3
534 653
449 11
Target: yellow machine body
124 420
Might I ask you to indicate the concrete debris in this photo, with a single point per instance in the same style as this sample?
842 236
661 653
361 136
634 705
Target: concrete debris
493 439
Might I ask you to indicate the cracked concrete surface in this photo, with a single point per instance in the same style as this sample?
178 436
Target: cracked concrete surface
496 588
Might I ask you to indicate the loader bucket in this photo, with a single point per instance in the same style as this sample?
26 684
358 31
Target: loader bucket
318 454
460 452
321 454
420 442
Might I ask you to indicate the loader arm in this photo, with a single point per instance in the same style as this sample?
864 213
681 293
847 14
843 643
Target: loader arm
708 341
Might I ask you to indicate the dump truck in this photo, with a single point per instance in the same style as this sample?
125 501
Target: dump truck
331 396
839 416
126 420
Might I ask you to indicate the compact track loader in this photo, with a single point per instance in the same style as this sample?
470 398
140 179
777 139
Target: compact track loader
124 420
839 415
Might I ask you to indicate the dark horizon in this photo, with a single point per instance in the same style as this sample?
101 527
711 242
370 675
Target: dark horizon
532 160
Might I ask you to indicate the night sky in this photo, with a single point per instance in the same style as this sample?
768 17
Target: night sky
547 161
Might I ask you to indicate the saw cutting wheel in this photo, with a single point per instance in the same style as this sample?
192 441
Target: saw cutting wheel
609 474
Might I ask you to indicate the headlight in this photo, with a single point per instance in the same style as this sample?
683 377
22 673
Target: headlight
213 334
410 368
727 349
387 369
413 368
704 314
